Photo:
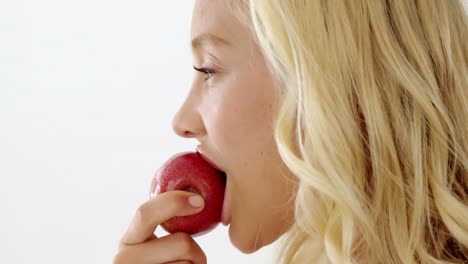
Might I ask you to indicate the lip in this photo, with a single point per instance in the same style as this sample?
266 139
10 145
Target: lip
224 217
208 160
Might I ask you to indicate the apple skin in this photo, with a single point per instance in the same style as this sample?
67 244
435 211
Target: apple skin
188 171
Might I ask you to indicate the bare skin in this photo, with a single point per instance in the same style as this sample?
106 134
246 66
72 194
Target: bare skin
230 110
139 244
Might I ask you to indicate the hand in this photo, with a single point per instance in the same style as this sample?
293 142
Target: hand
139 245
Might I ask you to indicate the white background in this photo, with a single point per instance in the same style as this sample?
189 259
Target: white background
88 90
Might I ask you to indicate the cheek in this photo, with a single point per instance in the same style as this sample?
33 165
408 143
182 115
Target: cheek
244 118
241 131
231 124
224 126
239 123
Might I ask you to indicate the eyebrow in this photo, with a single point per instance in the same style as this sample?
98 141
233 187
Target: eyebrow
201 40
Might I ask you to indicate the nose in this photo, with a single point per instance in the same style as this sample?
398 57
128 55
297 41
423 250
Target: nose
188 122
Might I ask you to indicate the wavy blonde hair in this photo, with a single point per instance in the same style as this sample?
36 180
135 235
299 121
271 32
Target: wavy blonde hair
374 123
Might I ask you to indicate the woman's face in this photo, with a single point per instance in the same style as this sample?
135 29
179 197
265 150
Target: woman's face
231 113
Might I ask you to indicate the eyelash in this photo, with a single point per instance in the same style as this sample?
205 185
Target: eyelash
206 71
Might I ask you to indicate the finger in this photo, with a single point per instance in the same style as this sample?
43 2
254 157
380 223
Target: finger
153 236
176 247
158 209
180 262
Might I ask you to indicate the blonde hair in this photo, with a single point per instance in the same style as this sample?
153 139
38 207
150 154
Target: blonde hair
374 123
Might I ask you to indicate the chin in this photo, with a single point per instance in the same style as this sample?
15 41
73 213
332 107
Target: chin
246 248
247 245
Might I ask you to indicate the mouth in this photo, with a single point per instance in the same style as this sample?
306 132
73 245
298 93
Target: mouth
209 161
224 217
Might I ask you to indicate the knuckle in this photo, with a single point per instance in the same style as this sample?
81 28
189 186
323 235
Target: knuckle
143 213
122 245
186 244
188 248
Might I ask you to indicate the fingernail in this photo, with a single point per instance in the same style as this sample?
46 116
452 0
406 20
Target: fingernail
196 200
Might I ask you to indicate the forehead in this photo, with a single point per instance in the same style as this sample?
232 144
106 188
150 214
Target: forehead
214 22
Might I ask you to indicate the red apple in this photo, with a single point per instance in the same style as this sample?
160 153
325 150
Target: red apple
188 171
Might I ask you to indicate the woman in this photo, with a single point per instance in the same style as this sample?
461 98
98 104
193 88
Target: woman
342 127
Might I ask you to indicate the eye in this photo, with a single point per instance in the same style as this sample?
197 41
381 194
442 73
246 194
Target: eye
205 71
